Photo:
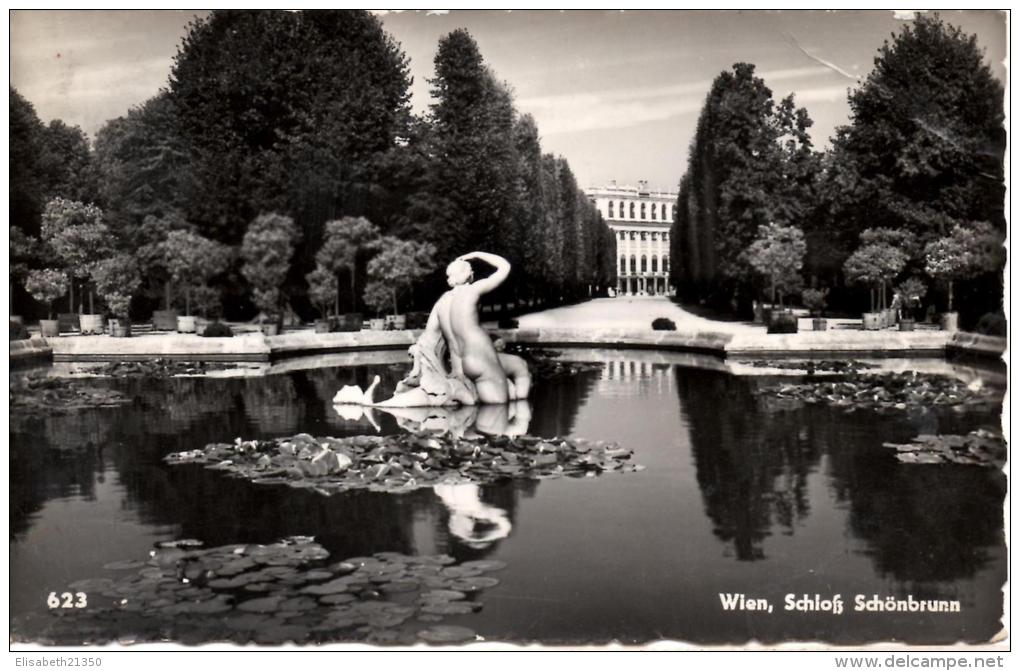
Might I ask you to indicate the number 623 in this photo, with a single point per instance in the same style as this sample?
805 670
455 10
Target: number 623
67 600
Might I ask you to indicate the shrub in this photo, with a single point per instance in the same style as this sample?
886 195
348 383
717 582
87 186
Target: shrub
46 286
993 324
18 331
117 279
323 290
267 249
815 300
217 330
663 324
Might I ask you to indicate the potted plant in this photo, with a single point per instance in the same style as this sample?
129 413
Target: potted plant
815 301
267 248
117 279
966 252
377 297
323 290
777 253
192 260
395 269
911 291
346 243
47 286
77 236
874 264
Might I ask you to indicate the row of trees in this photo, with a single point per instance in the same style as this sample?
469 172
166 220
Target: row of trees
911 191
296 127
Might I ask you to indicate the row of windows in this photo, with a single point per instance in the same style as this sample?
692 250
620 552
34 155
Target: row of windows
634 234
644 264
658 210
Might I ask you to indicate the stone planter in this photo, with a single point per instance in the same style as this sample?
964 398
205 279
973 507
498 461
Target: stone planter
164 320
906 324
187 324
378 324
67 321
399 323
950 321
270 329
890 317
782 322
872 321
120 328
49 328
92 325
322 325
819 324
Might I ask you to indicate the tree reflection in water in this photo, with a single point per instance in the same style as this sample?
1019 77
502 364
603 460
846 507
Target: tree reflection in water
918 524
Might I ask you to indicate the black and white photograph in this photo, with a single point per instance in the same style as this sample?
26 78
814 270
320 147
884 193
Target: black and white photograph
476 329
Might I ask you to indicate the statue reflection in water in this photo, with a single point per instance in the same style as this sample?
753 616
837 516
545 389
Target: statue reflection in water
476 523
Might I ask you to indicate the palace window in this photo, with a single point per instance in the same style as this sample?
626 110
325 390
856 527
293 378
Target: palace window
655 265
644 263
632 210
665 237
622 212
623 264
655 236
642 210
654 211
610 209
643 235
674 213
633 235
633 264
665 264
623 235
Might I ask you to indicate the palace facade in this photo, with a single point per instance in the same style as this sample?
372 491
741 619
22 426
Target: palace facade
640 219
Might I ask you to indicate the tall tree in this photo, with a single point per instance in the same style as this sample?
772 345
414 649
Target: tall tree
750 163
924 149
472 151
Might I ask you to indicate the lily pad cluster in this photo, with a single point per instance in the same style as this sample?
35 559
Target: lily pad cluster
34 394
977 448
158 367
290 591
405 462
884 392
812 366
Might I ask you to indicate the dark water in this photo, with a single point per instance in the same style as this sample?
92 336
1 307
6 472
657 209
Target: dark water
737 497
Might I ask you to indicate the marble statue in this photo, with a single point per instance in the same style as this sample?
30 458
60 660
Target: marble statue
478 373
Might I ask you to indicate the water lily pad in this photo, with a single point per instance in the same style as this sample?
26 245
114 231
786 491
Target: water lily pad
473 584
337 599
400 586
443 595
247 621
126 565
448 608
91 585
269 604
447 634
332 587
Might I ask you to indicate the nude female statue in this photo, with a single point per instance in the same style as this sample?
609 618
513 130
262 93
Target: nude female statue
478 373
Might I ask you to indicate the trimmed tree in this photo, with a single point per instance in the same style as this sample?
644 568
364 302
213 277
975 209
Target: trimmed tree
874 265
966 252
46 286
267 249
346 242
76 234
192 260
117 279
396 268
778 254
323 289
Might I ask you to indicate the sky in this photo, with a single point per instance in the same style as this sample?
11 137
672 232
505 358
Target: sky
616 93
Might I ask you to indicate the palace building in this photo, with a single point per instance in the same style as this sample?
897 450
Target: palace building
641 220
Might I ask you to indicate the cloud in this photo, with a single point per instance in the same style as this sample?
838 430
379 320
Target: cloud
622 108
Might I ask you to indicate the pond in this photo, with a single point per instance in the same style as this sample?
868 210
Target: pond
739 496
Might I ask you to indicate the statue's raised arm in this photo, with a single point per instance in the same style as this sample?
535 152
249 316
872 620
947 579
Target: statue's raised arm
502 271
